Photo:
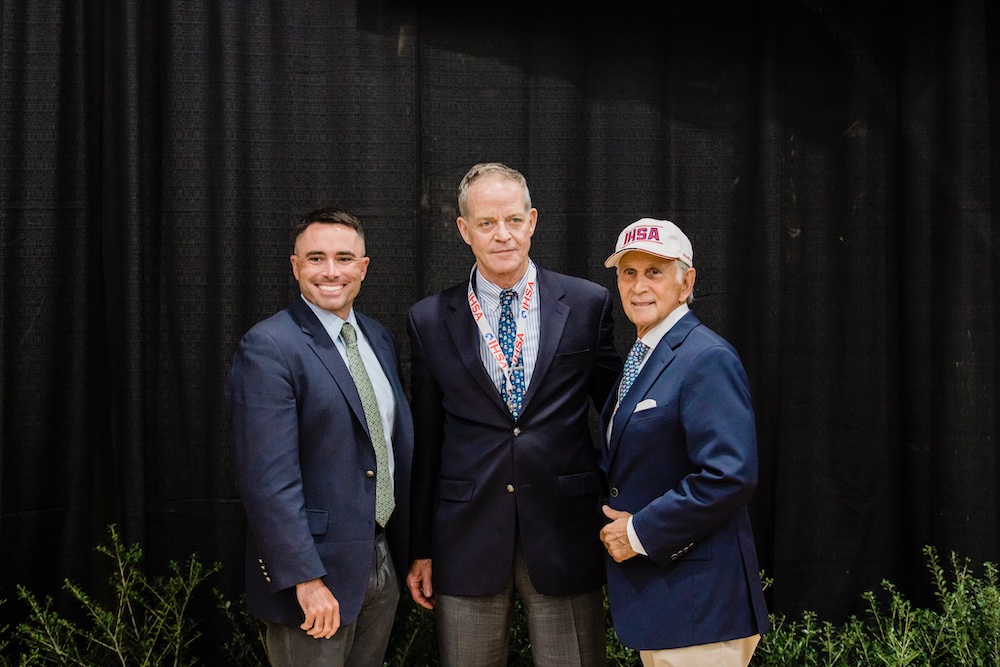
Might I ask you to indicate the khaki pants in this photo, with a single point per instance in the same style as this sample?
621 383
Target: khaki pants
733 653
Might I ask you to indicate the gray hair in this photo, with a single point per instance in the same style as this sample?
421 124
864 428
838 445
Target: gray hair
682 268
482 170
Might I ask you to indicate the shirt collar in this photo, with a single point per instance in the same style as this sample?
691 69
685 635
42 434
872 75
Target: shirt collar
332 323
653 337
489 293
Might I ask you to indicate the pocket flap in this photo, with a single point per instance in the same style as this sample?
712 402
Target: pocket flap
455 489
317 520
580 484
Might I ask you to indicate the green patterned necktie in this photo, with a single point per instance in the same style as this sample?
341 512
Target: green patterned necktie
384 500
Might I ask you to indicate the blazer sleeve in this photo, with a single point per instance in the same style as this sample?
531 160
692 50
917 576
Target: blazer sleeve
264 436
718 429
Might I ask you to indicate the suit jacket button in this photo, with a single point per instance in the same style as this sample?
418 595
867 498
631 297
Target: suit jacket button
614 491
517 430
510 488
369 473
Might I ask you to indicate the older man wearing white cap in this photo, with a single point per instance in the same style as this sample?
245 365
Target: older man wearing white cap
681 465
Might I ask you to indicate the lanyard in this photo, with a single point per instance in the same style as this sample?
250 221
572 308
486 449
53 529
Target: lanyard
486 332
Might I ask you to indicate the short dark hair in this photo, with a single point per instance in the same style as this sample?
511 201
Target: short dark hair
328 216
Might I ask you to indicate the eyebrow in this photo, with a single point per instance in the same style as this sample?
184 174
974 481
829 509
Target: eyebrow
339 253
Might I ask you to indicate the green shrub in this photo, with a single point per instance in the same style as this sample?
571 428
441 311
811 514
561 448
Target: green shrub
963 629
148 626
4 642
246 646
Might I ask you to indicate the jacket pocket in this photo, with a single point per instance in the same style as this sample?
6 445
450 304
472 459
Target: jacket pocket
317 520
459 490
579 484
659 412
571 358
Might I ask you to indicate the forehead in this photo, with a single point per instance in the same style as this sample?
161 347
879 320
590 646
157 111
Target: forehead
637 259
496 190
328 237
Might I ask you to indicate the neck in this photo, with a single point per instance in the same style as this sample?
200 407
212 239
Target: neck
505 280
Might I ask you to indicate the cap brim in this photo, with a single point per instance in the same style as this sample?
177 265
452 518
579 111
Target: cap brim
612 261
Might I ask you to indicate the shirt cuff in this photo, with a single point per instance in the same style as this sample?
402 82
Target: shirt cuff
633 539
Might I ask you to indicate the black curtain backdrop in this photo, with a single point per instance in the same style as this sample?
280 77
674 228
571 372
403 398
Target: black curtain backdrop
836 165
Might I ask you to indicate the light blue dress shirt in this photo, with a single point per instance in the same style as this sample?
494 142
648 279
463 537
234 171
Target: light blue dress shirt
380 383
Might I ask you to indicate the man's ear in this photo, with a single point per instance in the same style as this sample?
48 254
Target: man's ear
463 229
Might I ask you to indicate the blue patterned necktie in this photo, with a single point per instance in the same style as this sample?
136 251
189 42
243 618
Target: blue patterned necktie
631 371
515 397
385 501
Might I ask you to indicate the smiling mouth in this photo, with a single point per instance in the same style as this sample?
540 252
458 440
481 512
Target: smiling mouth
330 289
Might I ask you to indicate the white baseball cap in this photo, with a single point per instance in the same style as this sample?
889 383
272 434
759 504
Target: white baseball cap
657 237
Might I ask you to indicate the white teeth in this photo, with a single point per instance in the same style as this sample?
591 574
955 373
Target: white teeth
330 288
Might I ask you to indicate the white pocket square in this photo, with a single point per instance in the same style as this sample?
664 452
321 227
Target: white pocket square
645 405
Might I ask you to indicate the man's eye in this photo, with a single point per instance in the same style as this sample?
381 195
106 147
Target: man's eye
345 261
315 260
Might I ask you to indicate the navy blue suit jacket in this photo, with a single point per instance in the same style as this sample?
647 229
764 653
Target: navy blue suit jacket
479 475
302 455
686 469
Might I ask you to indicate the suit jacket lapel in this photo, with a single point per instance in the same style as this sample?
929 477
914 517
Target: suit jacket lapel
658 361
465 338
554 314
329 355
385 353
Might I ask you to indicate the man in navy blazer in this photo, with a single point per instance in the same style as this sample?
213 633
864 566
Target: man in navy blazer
506 479
321 434
681 465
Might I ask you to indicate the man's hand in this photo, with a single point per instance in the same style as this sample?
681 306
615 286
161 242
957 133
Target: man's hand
615 535
418 580
320 607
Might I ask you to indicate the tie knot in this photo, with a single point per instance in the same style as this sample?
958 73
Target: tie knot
348 334
507 297
638 348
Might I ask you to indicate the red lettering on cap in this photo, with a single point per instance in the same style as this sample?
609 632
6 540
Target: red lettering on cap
647 234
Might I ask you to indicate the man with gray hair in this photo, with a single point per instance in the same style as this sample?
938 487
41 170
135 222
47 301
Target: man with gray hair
506 482
681 465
